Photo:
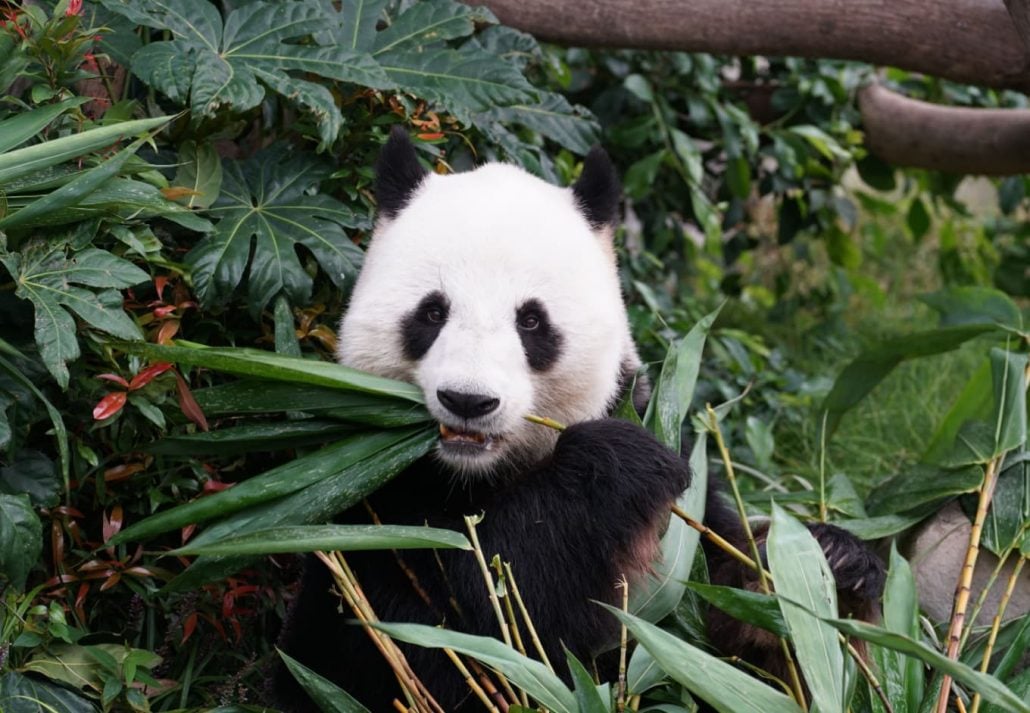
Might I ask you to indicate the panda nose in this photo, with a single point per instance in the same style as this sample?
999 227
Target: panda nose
467 405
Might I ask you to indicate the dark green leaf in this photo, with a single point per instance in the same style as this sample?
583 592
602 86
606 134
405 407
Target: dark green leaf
863 374
28 694
553 117
876 174
21 539
326 694
343 538
525 673
200 171
972 404
643 672
738 177
1009 516
762 610
34 474
588 698
922 484
725 688
430 23
251 437
974 305
358 20
21 127
918 219
265 211
901 675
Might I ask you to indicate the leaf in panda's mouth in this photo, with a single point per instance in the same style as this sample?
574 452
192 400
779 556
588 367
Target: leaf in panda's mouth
464 439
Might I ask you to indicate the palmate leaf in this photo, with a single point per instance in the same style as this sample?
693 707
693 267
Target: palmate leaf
554 117
227 64
58 285
264 200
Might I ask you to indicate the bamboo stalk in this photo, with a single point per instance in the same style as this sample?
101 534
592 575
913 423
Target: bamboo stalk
533 636
544 421
620 699
509 611
470 681
717 539
1010 587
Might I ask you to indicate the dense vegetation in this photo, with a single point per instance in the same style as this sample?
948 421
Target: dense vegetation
175 174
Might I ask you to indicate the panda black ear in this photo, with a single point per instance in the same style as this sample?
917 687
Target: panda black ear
598 191
398 173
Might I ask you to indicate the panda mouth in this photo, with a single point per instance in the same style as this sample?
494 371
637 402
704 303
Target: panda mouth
453 438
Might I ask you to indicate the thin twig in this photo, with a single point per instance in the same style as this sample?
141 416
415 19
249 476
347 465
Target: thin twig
868 673
620 699
714 537
488 685
823 516
470 681
1010 587
981 599
962 591
537 644
544 421
509 610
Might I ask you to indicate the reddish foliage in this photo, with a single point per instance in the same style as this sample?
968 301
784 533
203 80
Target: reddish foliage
109 405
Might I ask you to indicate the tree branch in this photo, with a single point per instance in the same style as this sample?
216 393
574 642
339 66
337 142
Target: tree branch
970 41
908 132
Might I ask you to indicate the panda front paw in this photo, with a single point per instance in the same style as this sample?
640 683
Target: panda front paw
623 458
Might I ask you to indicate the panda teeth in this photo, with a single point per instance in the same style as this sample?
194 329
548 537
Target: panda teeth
455 436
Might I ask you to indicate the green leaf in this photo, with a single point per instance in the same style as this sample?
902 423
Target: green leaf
1009 516
921 484
358 23
326 694
918 218
525 673
870 368
876 174
664 586
973 403
675 389
643 672
762 610
874 528
23 694
225 65
85 666
802 575
343 538
23 126
32 473
249 437
200 170
553 117
992 690
269 486
331 494
31 159
974 305
47 277
267 365
738 177
21 539
725 688
250 396
901 676
265 211
430 23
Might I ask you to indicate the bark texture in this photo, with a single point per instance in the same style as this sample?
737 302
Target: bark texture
907 132
969 41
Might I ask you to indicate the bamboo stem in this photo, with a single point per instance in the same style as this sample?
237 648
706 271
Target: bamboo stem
471 682
714 537
963 589
982 598
867 672
620 699
544 421
533 636
1010 587
509 610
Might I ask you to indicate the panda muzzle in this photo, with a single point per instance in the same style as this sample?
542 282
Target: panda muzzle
452 435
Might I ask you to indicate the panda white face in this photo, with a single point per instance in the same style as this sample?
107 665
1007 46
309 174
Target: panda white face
492 291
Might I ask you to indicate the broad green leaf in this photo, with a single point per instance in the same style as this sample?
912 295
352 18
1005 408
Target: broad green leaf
992 690
268 365
34 474
249 437
358 20
1020 685
343 538
974 305
269 486
973 403
874 528
225 64
466 80
553 117
81 666
49 278
430 23
21 539
723 687
663 588
250 396
200 171
588 697
762 610
801 574
525 673
1015 653
675 389
863 374
23 694
918 218
326 694
333 493
71 193
29 160
643 672
265 211
1008 520
901 676
21 127
921 484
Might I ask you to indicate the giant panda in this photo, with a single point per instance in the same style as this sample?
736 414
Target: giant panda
498 294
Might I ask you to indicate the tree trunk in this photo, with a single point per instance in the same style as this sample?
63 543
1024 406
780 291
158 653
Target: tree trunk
969 41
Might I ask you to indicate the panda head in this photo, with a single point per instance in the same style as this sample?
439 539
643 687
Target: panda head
497 293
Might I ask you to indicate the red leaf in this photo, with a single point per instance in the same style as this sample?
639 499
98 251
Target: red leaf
163 311
189 626
149 374
216 486
121 472
431 135
187 532
188 404
169 328
111 581
115 378
159 285
112 525
80 599
109 405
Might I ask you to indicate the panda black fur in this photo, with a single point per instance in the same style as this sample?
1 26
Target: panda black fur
498 295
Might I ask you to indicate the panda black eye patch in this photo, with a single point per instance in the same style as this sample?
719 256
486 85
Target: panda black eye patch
541 340
422 325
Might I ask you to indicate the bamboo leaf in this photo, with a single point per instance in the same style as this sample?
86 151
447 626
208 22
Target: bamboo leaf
326 694
21 127
343 538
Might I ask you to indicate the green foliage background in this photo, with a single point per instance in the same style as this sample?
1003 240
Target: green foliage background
201 171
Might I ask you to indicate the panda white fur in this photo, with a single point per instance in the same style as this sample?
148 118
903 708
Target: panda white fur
497 293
